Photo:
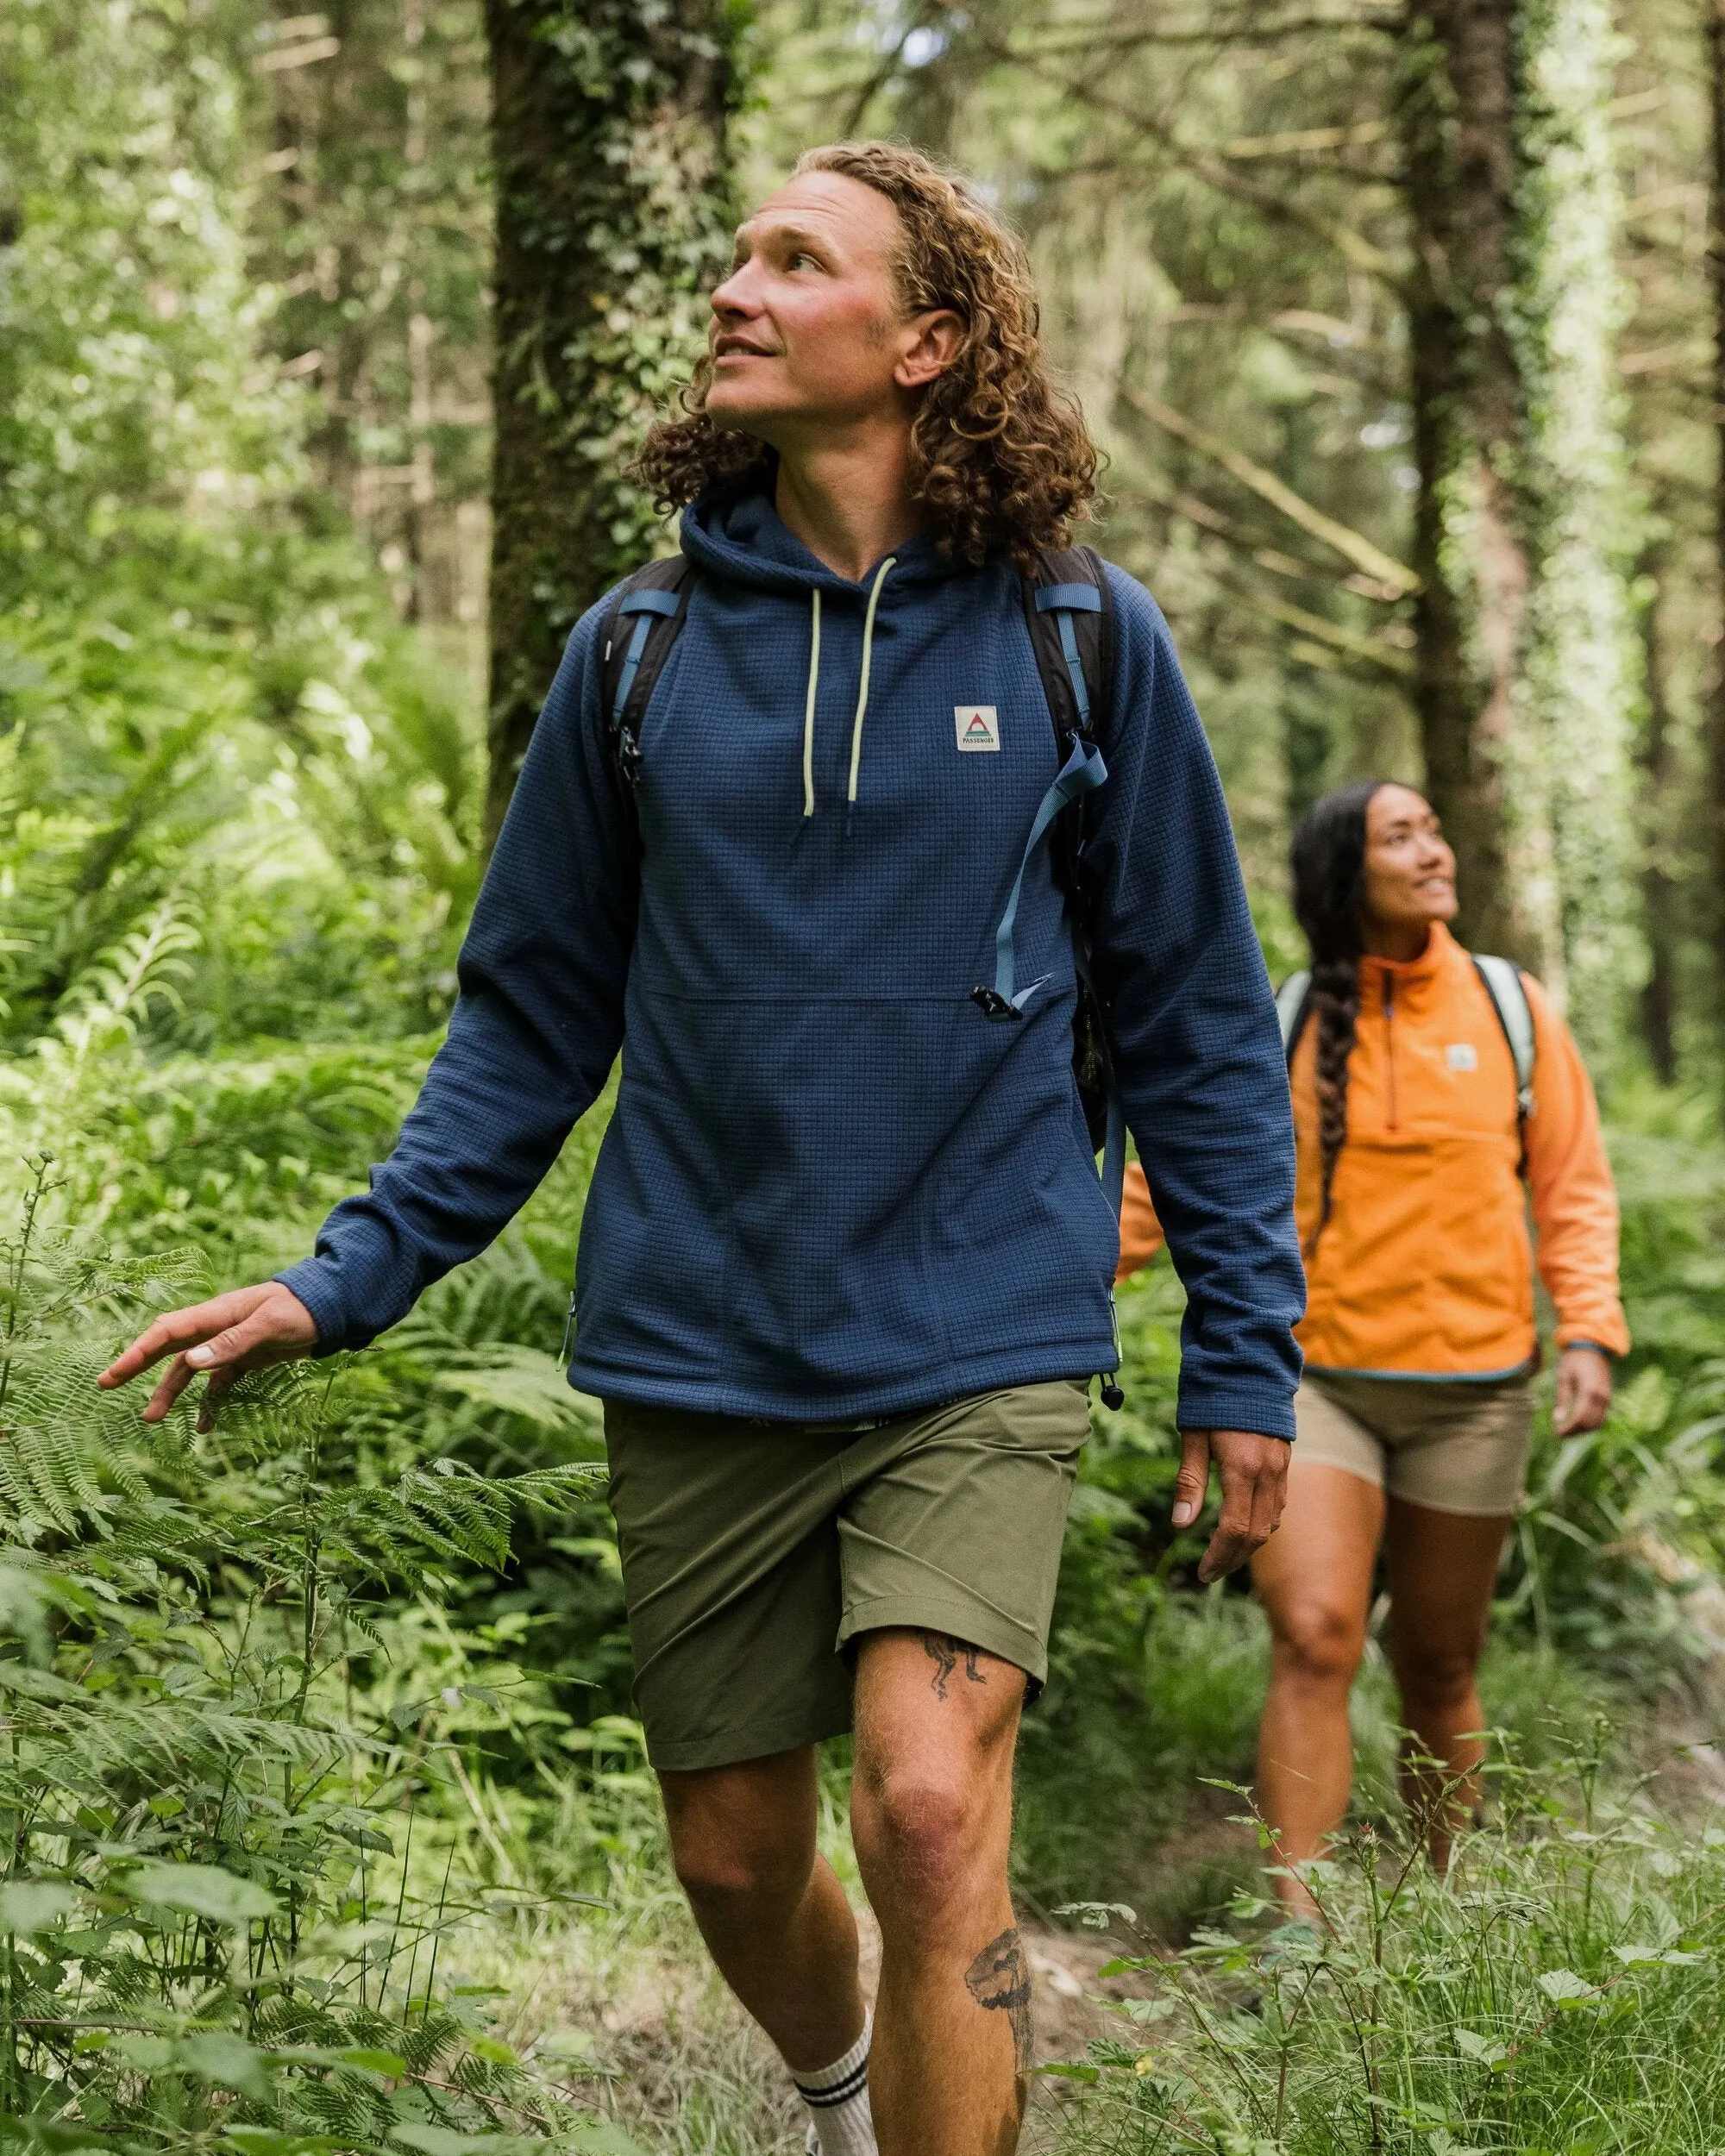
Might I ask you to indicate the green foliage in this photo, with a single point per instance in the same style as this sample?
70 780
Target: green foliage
214 1925
1555 1995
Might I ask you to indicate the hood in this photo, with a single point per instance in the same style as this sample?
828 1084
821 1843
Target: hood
741 538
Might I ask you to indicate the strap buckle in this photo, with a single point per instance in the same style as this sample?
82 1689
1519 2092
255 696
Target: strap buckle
992 1005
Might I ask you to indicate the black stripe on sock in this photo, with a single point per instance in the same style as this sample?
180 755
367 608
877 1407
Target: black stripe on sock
841 2092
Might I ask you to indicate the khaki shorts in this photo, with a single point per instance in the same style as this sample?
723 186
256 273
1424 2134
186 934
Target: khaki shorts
1452 1444
753 1553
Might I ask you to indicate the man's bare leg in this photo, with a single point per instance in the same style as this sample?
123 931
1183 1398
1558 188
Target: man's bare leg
774 1918
931 1813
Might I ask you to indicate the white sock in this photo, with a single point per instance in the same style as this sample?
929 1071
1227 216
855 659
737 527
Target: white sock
837 2098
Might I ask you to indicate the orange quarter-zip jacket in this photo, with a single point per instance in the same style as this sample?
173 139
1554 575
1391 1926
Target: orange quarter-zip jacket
1424 1268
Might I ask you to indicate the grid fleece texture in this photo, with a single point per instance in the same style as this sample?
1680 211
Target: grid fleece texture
832 1187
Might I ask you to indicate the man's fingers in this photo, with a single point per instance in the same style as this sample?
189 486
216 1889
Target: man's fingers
1254 1475
1268 1497
1194 1478
174 1380
232 1346
1233 1541
177 1332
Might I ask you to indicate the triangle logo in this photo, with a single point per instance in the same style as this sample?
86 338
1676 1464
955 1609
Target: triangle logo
977 726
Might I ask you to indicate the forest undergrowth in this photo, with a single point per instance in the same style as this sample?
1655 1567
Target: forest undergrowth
327 1825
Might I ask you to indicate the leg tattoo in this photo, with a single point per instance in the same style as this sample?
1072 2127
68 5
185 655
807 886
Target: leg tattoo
999 1981
939 1651
944 1653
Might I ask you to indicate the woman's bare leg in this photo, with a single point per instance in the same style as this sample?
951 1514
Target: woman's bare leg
1442 1569
1314 1577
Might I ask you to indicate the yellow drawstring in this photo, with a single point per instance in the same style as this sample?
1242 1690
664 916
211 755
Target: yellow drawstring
862 685
808 709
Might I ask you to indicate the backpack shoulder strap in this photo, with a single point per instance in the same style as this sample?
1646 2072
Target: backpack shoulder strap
1070 610
1292 1002
1503 983
645 616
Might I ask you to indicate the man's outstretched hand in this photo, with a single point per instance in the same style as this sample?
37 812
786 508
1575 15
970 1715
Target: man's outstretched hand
1254 1472
221 1339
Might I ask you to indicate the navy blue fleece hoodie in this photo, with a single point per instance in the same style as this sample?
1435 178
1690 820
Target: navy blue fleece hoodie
832 1188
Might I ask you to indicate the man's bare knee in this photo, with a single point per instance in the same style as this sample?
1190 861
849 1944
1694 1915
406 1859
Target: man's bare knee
920 1833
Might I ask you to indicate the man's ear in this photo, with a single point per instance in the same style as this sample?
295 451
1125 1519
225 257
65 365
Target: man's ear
933 344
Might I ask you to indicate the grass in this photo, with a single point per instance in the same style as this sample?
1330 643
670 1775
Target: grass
1580 1864
1555 1996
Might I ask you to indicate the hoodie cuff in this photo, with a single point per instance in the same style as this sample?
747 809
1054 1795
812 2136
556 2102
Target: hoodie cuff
1264 1418
311 1281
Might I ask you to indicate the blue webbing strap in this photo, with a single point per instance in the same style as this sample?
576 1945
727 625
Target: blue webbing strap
644 604
1064 601
1082 770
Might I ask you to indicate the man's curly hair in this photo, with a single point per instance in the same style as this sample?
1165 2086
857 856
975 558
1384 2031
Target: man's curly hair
1000 455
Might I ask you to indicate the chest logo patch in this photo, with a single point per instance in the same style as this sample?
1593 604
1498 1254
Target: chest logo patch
1462 1056
976 725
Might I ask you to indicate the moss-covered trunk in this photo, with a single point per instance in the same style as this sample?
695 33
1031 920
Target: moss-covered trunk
608 128
1527 654
1715 798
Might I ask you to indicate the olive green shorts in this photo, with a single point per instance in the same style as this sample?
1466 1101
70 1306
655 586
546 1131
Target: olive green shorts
753 1553
1451 1444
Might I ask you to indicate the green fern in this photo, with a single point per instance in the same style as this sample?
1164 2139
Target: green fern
199 1786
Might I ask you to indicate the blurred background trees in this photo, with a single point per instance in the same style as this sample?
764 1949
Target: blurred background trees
1398 328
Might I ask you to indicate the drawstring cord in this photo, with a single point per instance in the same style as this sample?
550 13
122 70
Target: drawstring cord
861 694
808 709
863 689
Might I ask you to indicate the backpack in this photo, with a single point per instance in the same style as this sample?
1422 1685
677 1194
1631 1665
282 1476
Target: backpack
1503 984
1069 612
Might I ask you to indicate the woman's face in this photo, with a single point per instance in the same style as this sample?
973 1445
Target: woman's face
1409 869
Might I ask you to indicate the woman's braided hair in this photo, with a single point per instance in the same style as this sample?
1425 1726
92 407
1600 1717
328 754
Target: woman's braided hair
1328 857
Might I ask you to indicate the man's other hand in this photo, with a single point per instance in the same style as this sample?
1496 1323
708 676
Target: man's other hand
1584 1398
1254 1471
221 1339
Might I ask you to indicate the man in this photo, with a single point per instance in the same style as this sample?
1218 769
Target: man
845 1267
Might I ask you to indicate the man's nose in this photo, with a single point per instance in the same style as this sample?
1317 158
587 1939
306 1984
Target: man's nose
733 300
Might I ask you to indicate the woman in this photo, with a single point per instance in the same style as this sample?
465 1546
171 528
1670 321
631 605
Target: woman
1413 1415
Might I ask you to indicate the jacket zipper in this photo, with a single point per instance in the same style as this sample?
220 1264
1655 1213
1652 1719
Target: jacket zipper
1390 1038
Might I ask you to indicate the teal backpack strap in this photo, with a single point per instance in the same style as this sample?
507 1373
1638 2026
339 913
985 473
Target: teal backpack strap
1293 999
1503 982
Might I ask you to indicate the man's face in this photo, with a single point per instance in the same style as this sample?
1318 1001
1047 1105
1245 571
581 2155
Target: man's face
808 332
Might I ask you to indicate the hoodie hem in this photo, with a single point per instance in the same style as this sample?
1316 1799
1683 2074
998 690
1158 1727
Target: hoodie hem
957 1380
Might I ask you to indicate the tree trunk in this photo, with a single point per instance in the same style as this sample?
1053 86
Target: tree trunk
1457 110
608 129
1715 798
1526 655
1659 890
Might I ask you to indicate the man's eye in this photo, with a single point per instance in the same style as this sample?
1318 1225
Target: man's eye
803 259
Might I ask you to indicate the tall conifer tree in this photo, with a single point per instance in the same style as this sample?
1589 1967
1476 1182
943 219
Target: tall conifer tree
608 128
1528 672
